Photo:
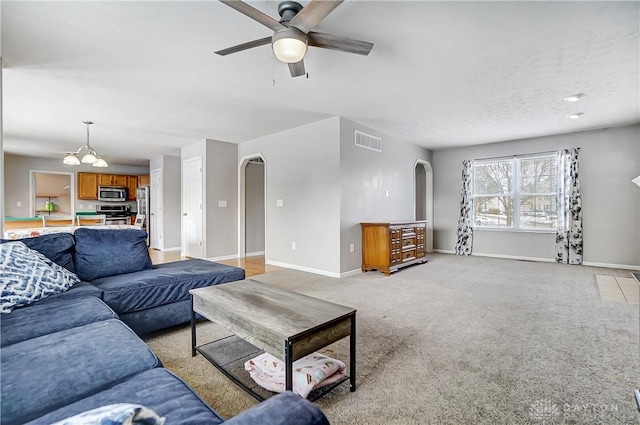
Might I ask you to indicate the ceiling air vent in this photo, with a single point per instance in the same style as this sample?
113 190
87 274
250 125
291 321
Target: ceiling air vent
367 141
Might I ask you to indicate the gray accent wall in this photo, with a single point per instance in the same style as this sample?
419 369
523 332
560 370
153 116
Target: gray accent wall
254 208
609 159
303 170
16 179
171 198
375 186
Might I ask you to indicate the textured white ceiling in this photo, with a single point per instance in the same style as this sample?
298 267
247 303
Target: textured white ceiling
441 74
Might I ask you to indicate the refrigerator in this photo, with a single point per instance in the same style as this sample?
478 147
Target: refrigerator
144 207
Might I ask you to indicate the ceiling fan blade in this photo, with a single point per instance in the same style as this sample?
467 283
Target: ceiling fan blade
244 46
343 44
297 69
313 13
254 14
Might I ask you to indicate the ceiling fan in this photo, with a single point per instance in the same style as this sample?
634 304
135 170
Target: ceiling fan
292 34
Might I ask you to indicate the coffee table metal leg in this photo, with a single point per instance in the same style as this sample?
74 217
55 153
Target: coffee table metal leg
352 354
288 366
193 330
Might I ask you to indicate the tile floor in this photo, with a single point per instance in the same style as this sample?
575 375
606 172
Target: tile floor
620 289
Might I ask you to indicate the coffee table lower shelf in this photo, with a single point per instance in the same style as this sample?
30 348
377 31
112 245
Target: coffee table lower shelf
229 355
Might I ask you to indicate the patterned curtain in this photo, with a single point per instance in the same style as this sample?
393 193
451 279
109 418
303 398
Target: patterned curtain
569 236
464 244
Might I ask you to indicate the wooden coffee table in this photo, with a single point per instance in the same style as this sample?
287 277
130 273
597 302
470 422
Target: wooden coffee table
285 324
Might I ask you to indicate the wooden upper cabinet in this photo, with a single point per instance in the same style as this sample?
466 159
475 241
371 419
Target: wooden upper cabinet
112 180
144 181
132 185
88 186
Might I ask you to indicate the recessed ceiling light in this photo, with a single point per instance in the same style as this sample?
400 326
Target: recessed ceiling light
574 97
576 115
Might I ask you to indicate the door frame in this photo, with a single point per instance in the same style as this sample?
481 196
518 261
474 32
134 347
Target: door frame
242 249
32 189
428 200
160 219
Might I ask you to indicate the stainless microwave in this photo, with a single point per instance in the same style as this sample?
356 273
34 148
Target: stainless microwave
110 193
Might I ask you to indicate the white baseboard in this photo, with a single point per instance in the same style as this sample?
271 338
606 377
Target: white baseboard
175 248
302 268
224 257
611 266
254 254
351 273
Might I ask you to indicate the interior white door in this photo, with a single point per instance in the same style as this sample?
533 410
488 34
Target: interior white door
156 239
192 207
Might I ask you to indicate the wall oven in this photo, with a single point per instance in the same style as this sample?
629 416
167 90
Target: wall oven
113 194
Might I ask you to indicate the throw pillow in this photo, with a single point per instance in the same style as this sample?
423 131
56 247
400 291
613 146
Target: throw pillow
27 276
115 414
58 247
110 252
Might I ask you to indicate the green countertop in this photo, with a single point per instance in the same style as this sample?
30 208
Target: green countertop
23 219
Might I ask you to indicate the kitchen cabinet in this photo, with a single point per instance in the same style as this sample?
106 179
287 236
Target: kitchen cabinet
387 247
112 180
144 180
88 186
132 185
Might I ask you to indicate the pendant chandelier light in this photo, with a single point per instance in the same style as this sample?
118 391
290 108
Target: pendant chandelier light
85 155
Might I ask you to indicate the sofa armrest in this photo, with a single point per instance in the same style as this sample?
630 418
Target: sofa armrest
282 409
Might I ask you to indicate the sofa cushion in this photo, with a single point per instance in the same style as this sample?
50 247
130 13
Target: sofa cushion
43 374
110 252
58 247
45 318
79 290
27 276
157 389
164 284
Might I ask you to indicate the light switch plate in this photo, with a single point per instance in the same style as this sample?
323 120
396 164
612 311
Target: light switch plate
279 202
18 204
222 204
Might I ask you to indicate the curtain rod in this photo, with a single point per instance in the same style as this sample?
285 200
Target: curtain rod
519 155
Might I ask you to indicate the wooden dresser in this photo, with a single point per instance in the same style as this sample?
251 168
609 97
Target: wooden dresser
387 247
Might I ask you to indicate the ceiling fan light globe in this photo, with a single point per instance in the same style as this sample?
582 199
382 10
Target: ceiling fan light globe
71 159
289 45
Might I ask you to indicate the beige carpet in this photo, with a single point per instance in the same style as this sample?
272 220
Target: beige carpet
461 340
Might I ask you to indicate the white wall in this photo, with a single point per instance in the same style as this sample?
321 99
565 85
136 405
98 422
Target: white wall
16 179
255 208
303 169
365 178
170 167
609 159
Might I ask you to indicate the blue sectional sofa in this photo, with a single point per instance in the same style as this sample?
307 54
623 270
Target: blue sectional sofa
72 352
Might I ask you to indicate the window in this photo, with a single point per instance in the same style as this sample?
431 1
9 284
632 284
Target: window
517 193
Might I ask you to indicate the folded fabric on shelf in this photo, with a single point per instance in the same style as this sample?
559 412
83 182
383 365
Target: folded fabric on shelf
309 373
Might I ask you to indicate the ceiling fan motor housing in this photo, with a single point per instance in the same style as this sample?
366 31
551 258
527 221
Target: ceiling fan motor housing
288 9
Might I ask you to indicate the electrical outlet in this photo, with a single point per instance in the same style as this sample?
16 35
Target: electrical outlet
279 202
80 206
293 245
90 206
352 248
18 204
222 204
